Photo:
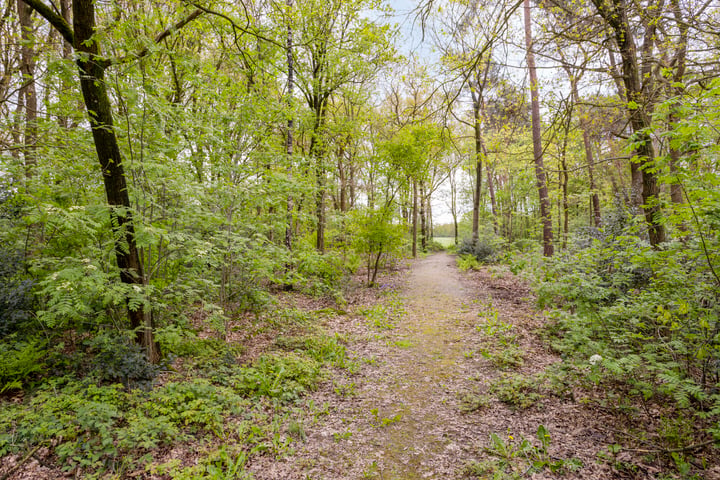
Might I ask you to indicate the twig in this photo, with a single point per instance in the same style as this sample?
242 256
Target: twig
689 448
20 463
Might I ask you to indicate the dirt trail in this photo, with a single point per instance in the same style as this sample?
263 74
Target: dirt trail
400 417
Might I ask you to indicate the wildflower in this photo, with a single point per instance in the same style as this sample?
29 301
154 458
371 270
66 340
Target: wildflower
595 359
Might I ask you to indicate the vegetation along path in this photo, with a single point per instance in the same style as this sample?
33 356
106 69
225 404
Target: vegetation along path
446 390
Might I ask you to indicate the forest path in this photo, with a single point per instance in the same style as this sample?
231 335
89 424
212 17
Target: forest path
401 416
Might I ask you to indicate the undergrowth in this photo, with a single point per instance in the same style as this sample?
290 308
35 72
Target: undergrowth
517 458
97 428
641 325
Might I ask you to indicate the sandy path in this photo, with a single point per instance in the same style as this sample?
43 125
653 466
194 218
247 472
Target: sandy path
403 420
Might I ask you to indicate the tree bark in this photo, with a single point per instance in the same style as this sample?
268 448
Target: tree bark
27 90
99 110
477 124
614 13
545 214
290 123
414 218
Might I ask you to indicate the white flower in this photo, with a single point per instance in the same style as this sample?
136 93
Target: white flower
595 359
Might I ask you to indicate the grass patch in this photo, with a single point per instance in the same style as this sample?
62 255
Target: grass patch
517 391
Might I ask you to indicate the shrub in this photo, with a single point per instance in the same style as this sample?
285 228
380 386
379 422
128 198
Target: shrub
115 359
435 246
485 249
20 360
321 348
283 377
653 316
16 301
467 262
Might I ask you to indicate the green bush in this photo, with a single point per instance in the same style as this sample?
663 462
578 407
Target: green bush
319 274
19 361
321 348
435 246
375 237
653 315
486 249
16 299
116 359
467 262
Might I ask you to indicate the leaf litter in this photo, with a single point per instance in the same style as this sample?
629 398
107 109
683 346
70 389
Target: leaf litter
403 416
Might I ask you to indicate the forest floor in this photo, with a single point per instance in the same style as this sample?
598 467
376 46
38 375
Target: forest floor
448 375
437 360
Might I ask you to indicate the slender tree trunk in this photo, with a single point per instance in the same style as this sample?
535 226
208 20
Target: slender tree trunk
565 204
414 219
342 177
27 89
376 267
545 214
351 188
317 153
430 233
320 207
676 91
423 220
453 202
493 202
594 197
477 121
290 123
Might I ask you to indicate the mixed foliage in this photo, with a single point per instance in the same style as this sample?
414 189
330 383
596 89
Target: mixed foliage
166 169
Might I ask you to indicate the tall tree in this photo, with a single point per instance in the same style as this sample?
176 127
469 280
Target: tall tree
639 106
540 175
338 46
475 30
91 71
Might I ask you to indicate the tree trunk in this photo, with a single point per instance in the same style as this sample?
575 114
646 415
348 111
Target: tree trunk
290 124
614 13
453 202
478 166
594 197
317 153
423 220
545 214
99 111
431 226
27 90
565 206
493 202
414 219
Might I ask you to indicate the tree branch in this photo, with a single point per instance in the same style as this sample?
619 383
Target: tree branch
55 20
158 38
